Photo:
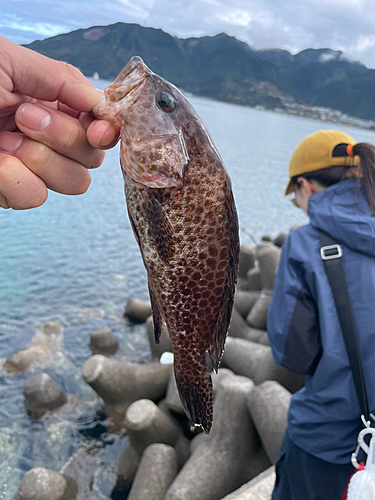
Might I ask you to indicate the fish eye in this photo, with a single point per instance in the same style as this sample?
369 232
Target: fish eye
166 102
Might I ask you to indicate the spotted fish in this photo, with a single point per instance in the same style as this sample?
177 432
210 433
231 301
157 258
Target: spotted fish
182 212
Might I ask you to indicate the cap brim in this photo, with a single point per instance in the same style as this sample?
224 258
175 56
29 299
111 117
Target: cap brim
289 188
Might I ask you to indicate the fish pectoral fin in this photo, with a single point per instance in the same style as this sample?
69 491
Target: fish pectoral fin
134 229
157 317
161 229
196 396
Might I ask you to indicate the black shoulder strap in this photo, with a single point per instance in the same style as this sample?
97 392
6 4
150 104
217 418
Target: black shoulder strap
331 253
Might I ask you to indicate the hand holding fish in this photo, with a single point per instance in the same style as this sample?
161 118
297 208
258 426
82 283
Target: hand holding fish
47 137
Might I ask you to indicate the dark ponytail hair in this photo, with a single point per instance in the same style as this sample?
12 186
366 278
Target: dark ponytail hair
366 153
365 172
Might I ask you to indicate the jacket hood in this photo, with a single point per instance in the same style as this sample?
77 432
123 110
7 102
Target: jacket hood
343 212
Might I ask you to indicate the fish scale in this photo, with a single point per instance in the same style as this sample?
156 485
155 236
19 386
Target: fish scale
183 215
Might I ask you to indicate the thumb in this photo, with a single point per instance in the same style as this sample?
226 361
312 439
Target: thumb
38 76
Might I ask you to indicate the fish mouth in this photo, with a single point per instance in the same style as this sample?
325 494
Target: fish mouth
128 83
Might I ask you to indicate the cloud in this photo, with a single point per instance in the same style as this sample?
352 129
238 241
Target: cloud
43 29
328 56
345 25
235 18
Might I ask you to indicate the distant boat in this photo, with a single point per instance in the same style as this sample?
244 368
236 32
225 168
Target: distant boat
95 75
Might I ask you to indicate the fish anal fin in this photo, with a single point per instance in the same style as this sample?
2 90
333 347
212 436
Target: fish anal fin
157 317
220 333
161 230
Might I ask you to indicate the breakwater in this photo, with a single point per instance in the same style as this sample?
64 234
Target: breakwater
163 458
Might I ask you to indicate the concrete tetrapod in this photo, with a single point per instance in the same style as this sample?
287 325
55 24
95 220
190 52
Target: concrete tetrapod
83 467
279 240
255 361
126 466
238 326
43 347
230 455
268 405
42 394
269 370
102 341
259 488
243 356
257 317
172 398
246 260
253 282
240 329
264 340
45 484
138 310
157 470
244 301
120 384
268 256
147 424
164 344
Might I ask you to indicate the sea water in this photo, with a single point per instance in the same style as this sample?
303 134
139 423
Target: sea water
74 260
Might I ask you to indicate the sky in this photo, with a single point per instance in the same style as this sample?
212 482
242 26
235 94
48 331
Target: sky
346 25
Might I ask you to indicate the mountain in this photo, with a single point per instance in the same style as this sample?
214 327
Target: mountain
222 67
323 77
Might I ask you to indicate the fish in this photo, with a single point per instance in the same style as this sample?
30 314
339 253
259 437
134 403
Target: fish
183 215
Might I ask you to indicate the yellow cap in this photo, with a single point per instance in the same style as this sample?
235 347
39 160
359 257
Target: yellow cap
315 152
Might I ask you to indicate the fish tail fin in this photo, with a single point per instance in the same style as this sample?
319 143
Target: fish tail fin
195 391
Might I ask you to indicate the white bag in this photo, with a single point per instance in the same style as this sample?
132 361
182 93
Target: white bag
362 483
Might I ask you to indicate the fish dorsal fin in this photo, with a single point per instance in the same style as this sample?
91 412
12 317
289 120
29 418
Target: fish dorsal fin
161 230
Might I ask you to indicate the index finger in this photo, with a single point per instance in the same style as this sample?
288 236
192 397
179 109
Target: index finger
38 76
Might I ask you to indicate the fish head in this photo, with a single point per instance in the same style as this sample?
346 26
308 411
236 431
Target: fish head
152 114
121 93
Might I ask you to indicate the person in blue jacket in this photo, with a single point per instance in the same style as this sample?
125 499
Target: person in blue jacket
334 183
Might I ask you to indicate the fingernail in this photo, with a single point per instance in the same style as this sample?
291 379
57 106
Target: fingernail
107 139
10 142
108 134
33 117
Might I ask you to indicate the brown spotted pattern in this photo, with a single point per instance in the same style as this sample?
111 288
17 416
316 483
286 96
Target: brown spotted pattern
187 231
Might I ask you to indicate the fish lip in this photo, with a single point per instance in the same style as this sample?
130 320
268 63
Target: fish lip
130 67
131 78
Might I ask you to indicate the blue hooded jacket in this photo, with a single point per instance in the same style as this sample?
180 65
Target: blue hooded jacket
303 327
